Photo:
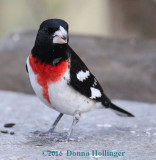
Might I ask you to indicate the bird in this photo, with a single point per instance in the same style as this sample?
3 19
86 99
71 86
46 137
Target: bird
60 79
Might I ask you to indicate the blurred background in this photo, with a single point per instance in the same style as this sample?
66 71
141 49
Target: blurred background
118 35
119 18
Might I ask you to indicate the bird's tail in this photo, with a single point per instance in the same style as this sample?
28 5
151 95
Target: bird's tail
119 111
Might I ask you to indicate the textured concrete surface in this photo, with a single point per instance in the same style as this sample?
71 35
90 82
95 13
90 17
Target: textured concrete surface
99 130
124 67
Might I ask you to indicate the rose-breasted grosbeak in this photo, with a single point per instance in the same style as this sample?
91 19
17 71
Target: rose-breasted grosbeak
60 78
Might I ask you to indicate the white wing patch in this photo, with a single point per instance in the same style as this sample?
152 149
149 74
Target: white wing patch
81 76
95 93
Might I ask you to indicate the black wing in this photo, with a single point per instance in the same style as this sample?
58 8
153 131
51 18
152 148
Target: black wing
88 85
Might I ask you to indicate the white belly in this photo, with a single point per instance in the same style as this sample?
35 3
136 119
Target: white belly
63 97
66 99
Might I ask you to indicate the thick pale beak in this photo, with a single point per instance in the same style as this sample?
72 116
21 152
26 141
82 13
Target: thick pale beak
60 36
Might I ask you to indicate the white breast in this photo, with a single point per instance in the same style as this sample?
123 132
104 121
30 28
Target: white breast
62 96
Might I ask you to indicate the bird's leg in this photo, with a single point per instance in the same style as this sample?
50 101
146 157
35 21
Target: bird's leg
53 126
76 118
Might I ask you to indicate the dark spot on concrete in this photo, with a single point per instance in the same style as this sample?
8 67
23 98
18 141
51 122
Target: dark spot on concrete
9 125
5 132
39 145
12 133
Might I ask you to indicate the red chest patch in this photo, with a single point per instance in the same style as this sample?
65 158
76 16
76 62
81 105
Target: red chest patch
47 73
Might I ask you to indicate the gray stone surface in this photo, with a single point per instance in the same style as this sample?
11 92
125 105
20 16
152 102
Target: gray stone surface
125 68
99 129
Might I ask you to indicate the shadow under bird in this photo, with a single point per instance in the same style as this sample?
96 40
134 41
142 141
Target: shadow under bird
61 79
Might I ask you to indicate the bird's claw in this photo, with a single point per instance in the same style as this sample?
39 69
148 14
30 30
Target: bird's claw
40 133
65 139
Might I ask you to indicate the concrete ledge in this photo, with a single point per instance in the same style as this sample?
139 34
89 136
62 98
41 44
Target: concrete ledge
100 128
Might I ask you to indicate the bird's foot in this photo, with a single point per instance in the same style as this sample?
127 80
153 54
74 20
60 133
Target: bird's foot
66 139
57 136
49 133
40 133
